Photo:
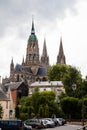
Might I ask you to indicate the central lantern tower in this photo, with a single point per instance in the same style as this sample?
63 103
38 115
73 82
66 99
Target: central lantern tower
32 52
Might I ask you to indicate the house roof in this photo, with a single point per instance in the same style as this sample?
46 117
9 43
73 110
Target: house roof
47 83
15 85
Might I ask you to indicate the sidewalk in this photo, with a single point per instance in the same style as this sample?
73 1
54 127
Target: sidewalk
76 123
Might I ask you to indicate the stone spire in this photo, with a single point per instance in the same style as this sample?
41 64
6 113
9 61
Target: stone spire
61 57
44 57
32 29
12 65
11 69
23 61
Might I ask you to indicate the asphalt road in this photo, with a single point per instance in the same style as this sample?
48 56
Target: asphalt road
65 127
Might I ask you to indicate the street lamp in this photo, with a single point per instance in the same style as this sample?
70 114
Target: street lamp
73 86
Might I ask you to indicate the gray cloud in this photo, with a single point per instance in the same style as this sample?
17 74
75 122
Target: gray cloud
16 13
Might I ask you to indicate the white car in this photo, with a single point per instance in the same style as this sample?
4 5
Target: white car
59 121
48 122
27 127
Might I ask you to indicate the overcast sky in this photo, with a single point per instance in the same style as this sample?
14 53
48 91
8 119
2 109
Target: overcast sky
52 19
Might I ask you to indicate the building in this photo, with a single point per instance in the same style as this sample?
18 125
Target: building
14 91
33 67
32 72
55 86
5 104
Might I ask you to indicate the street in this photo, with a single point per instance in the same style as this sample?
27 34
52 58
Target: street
65 127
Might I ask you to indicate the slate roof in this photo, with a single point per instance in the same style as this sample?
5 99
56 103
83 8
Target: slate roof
17 68
28 70
3 96
42 71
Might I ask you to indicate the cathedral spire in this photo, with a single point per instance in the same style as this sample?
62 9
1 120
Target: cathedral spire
23 61
32 29
12 61
61 57
61 52
11 66
44 57
44 49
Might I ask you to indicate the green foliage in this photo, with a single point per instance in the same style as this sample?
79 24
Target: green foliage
35 98
24 116
69 106
46 112
56 72
68 75
84 88
30 111
42 103
41 111
73 75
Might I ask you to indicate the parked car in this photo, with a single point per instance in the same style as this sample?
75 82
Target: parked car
35 123
48 123
11 125
57 121
62 121
44 123
27 127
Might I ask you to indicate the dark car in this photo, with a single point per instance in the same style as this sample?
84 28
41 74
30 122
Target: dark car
35 123
11 125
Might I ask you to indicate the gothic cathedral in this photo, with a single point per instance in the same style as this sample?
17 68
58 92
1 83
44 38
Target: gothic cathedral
34 67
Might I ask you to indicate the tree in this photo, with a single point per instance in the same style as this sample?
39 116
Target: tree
73 76
46 112
35 98
31 111
69 106
41 111
44 102
68 75
56 72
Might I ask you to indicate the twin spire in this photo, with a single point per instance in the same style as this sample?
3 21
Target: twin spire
61 57
45 57
44 53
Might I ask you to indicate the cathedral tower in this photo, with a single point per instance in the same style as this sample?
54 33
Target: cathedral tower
61 57
32 52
